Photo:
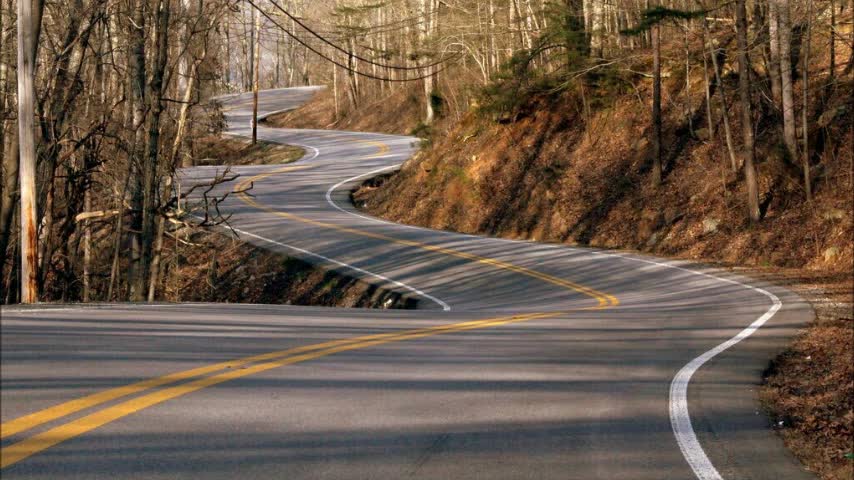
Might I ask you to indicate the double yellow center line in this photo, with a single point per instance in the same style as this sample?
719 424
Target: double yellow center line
602 299
197 379
206 376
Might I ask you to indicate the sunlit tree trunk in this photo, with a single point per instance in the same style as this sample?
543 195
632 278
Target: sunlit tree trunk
136 279
786 87
805 156
656 105
774 49
746 112
256 63
26 140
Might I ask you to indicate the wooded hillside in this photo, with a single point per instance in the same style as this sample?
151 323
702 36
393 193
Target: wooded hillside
122 88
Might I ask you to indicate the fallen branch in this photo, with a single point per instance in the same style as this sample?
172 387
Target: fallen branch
96 214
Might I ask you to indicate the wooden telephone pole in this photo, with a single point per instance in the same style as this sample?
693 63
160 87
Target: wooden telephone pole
27 171
256 54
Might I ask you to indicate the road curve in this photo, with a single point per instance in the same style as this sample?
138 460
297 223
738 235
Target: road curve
523 360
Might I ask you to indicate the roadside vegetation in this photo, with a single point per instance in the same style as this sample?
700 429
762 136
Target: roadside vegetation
225 150
218 266
717 131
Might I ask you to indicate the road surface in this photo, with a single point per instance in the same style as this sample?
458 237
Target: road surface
523 360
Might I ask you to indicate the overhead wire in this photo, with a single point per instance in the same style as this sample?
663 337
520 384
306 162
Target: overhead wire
346 67
348 53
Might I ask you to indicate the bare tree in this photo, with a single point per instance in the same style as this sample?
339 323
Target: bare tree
786 85
656 105
27 146
746 111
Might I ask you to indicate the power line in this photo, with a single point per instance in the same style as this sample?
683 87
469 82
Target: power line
353 54
335 62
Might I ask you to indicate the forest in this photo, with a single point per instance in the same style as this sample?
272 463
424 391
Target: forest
123 90
708 130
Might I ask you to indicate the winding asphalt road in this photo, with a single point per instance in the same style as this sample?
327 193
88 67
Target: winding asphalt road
523 360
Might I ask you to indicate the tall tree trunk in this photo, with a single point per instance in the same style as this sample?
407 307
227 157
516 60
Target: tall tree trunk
708 91
27 145
151 170
774 49
228 53
9 200
117 237
596 28
656 105
832 67
786 91
426 30
746 111
804 110
136 281
256 55
87 247
719 86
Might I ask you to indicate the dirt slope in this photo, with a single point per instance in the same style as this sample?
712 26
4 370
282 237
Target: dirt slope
559 172
396 112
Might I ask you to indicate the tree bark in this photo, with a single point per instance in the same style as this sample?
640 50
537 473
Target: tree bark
426 30
805 157
733 158
256 55
786 91
87 248
746 112
774 49
656 106
10 197
137 90
27 146
151 170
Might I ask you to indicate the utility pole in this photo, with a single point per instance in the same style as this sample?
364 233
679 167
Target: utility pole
255 74
656 105
26 126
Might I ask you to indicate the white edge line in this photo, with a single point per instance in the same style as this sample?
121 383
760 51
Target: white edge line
680 418
342 182
414 290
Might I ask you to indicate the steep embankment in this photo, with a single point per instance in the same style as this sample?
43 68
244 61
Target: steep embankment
572 169
396 111
550 176
204 265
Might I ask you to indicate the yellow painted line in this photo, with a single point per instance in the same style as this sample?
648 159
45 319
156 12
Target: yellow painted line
39 442
603 300
382 148
30 446
27 422
33 420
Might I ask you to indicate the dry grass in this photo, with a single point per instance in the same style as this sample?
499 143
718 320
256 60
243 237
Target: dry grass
217 267
554 175
214 150
809 389
396 112
212 266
